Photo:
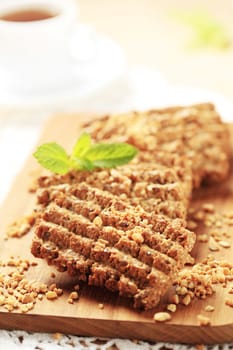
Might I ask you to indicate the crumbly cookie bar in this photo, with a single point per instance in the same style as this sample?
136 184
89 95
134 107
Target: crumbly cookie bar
156 188
195 132
103 240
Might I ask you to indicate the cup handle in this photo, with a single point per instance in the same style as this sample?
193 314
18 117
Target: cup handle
82 45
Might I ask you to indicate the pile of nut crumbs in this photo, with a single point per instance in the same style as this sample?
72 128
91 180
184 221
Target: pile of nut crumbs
19 293
199 280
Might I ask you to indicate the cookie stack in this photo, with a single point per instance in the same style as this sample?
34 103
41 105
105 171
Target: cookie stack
125 228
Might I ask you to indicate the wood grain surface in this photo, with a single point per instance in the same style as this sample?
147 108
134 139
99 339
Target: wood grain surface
117 319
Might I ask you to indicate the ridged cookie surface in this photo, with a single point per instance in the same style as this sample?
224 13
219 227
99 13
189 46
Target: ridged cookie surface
101 239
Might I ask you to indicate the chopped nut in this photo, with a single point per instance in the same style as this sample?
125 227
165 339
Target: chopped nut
20 227
98 221
203 238
52 286
162 316
224 244
43 288
186 300
218 224
229 302
171 307
208 207
27 298
208 223
199 216
209 308
59 291
182 290
30 306
203 320
191 225
51 295
40 296
175 299
100 306
213 245
24 308
229 215
73 296
9 307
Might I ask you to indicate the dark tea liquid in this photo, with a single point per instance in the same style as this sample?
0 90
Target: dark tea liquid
27 15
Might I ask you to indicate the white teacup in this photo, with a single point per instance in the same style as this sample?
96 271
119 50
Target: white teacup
35 52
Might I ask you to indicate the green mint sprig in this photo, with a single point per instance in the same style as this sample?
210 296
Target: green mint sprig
84 155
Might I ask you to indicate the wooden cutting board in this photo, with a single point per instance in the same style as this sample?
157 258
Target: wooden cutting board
117 319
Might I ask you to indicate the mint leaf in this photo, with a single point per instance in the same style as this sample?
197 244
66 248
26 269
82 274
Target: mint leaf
81 146
53 157
84 156
105 155
82 164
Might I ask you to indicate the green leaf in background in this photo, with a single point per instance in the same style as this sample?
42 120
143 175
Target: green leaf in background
208 32
105 155
53 157
81 146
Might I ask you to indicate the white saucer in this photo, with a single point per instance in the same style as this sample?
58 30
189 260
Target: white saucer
88 76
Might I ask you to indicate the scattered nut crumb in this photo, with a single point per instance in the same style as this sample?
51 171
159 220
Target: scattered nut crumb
186 300
52 286
203 320
40 296
27 298
199 216
73 296
171 307
208 207
162 316
20 227
59 291
202 238
229 302
213 245
209 308
191 225
174 299
101 306
218 224
51 295
224 244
